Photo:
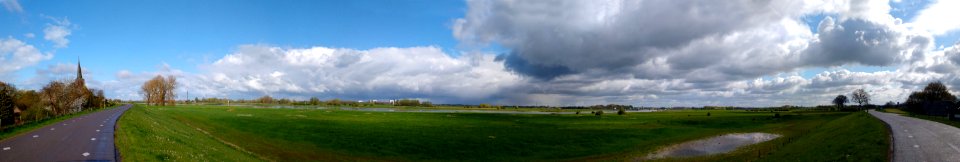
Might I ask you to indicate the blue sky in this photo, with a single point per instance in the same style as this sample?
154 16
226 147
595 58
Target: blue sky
110 36
506 52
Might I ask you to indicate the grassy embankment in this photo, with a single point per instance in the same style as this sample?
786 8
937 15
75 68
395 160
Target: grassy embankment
214 133
13 131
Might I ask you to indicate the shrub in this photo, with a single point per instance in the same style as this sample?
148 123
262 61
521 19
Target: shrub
598 113
777 115
621 111
708 114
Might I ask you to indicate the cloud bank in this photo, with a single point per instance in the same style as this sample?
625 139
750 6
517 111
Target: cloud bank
584 52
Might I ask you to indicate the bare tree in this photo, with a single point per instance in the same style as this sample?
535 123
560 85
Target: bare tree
169 85
54 97
159 90
861 97
148 89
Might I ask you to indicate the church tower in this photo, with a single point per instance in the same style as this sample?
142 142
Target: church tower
79 71
79 79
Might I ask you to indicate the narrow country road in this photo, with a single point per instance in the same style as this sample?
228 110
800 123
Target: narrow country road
921 140
84 138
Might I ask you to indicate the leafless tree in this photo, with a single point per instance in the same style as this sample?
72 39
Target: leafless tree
159 90
861 97
55 97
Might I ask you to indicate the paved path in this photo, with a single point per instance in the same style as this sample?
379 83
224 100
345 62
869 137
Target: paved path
921 140
84 138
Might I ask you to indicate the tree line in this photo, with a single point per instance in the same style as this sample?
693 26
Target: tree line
860 96
57 98
934 96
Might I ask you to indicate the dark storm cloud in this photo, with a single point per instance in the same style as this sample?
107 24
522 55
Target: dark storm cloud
553 38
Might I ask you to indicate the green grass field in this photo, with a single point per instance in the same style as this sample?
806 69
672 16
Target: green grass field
216 133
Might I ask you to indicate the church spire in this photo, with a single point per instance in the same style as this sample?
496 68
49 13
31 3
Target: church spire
79 71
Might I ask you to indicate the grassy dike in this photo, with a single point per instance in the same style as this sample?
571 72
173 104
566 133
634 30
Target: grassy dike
855 137
147 135
217 133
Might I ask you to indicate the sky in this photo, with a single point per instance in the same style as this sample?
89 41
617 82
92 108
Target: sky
539 52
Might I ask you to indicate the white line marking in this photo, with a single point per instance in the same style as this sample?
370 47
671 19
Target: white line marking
52 128
35 136
93 139
910 136
916 146
85 154
954 147
101 125
98 130
6 148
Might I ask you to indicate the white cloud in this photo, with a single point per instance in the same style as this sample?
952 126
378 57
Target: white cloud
380 73
939 18
12 5
58 32
15 55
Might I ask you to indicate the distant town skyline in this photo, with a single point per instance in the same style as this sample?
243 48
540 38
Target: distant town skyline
566 53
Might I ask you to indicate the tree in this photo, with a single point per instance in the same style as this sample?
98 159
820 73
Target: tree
55 97
168 87
934 92
160 91
7 95
314 101
426 104
840 100
889 104
266 99
334 102
861 97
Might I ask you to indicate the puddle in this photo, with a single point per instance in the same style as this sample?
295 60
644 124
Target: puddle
713 145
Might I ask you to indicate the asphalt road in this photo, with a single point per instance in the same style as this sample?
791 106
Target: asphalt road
83 138
921 140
